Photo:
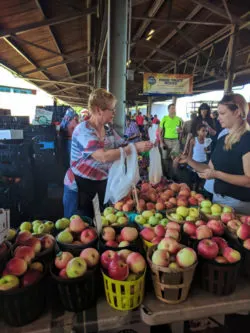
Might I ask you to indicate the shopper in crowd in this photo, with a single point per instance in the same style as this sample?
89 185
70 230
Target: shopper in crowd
230 162
132 132
186 130
217 127
204 117
93 152
170 128
139 121
155 120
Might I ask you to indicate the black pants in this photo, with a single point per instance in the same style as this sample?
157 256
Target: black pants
87 189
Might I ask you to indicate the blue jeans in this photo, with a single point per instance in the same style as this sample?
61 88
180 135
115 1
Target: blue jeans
70 202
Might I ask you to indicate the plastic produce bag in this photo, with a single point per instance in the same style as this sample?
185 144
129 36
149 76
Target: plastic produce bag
155 167
122 178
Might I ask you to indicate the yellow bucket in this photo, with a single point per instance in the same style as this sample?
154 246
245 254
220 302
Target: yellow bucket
147 245
124 295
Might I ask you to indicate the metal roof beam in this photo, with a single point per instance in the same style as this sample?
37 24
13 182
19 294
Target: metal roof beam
77 84
46 22
141 18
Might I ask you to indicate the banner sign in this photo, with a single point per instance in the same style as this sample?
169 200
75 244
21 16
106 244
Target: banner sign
167 84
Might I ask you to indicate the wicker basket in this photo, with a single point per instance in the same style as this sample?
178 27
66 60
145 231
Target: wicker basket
173 210
208 217
170 287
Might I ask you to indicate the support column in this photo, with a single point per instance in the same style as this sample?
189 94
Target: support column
231 59
149 106
117 57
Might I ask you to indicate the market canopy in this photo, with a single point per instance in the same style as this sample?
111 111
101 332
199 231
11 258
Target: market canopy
61 45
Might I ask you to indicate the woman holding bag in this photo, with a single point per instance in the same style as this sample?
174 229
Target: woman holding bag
94 149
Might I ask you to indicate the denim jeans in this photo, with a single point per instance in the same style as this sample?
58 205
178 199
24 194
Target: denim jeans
70 202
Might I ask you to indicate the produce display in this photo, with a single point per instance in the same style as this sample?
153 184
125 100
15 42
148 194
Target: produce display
159 232
216 210
118 240
149 218
112 218
37 226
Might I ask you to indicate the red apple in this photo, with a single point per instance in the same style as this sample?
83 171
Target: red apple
245 219
107 257
189 228
199 223
118 205
192 201
118 270
243 231
246 244
150 206
172 233
136 263
174 187
62 259
169 244
182 202
63 273
22 237
173 225
217 227
156 240
231 255
221 260
173 201
147 234
108 233
220 242
234 225
47 241
169 205
88 235
160 258
129 234
16 266
111 243
208 249
226 217
30 277
123 254
203 232
25 252
91 256
118 238
184 193
77 224
3 249
186 257
35 243
160 206
159 230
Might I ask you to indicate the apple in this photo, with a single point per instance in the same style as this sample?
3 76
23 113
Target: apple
47 241
206 210
122 220
91 256
174 225
140 219
206 204
203 232
243 232
62 224
216 226
147 214
127 208
174 187
160 258
147 234
26 226
112 218
35 243
190 219
123 244
231 255
220 242
49 225
156 240
245 219
216 209
16 266
37 266
176 217
234 225
76 267
107 257
123 254
172 233
189 228
226 217
221 260
77 225
169 244
129 234
193 212
11 234
73 217
208 249
159 230
108 211
192 201
153 221
111 243
88 235
246 244
62 259
184 193
118 205
164 222
30 277
108 233
118 270
172 201
65 237
174 266
136 263
22 237
159 206
183 211
199 223
227 209
3 249
186 257
25 252
63 273
8 282
182 202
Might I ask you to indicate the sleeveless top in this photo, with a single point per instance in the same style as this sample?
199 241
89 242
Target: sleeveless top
199 153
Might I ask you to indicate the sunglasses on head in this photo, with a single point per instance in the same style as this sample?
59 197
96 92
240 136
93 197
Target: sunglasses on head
228 100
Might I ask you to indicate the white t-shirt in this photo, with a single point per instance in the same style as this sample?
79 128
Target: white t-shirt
199 153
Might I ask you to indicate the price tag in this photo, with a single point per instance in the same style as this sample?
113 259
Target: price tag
97 219
4 224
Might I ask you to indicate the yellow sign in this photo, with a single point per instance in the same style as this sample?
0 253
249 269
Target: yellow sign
167 84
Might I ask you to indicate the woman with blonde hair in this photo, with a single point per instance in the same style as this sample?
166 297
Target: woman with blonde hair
230 162
95 145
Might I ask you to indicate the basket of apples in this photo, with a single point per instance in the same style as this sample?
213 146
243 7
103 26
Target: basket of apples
117 239
150 218
172 269
113 218
219 266
214 211
77 279
124 278
183 213
22 291
38 227
76 236
153 235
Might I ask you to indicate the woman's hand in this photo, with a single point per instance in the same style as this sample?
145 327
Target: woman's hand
143 146
207 174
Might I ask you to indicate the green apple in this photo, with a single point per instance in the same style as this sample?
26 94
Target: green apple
206 204
111 218
147 214
105 222
76 267
35 228
177 217
49 225
140 219
193 212
41 229
26 226
147 225
183 211
62 223
36 222
227 209
119 214
74 217
122 220
164 222
206 210
9 282
65 237
153 221
11 234
132 277
159 216
108 211
216 209
190 218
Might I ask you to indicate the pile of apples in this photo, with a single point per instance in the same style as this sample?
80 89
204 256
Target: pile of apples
124 239
208 208
149 218
155 234
70 267
37 227
201 230
124 265
112 218
183 213
171 254
75 231
239 227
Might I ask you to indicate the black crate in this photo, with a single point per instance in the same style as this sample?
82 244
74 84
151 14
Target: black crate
43 144
34 131
10 122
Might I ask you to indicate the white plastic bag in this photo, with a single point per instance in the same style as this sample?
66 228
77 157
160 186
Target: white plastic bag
121 179
155 167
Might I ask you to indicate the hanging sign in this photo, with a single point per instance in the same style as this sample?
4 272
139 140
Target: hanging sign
167 84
